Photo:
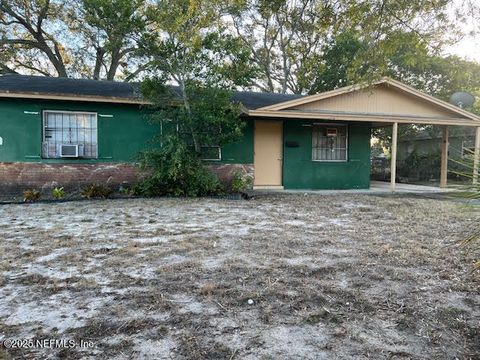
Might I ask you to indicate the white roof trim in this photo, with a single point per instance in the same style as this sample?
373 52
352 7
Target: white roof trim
72 97
370 118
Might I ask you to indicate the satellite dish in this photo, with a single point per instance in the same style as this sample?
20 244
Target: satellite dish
462 99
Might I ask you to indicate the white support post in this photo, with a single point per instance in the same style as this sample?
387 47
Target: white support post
393 160
444 161
476 156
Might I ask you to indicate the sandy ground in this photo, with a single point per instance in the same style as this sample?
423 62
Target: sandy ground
277 277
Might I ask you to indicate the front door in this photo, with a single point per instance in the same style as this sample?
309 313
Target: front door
268 153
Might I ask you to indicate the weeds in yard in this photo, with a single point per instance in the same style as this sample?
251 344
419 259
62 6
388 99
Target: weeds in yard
126 190
58 193
470 192
93 191
193 347
31 195
322 315
208 289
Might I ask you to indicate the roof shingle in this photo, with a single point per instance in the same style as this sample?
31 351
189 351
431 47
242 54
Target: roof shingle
113 89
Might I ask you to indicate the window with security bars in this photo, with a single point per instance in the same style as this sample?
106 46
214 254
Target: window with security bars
62 128
329 143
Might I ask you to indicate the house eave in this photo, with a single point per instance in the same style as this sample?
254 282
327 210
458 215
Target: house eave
72 97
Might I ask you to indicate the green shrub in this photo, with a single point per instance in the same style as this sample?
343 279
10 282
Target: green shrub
31 195
175 170
58 193
240 182
125 190
93 191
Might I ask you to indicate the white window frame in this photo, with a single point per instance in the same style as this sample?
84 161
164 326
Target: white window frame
326 125
219 153
44 117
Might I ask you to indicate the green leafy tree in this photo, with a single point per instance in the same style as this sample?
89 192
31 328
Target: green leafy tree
410 62
187 45
211 117
175 161
287 37
336 64
284 37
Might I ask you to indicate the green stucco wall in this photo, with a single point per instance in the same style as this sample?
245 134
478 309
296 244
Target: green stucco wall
240 152
120 137
300 172
129 131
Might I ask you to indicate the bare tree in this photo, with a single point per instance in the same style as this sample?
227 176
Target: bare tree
88 38
23 28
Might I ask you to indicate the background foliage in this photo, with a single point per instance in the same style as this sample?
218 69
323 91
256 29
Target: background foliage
294 46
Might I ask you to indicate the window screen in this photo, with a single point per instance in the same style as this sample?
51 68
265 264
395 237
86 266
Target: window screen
211 153
329 142
72 128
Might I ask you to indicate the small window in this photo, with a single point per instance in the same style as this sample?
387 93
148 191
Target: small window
329 143
211 153
69 134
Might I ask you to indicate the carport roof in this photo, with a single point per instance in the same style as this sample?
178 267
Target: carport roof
383 102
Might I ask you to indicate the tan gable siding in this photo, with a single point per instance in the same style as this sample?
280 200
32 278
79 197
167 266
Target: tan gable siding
382 99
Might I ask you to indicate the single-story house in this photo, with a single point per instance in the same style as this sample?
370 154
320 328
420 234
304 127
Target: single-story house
61 132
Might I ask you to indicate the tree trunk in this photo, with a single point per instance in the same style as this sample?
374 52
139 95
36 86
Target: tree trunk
186 104
98 63
115 62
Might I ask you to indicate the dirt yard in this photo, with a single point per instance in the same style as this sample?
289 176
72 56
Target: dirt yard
277 277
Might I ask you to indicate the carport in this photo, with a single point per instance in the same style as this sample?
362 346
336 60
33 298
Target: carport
384 103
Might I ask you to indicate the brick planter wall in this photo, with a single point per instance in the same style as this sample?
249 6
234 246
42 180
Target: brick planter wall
225 171
18 176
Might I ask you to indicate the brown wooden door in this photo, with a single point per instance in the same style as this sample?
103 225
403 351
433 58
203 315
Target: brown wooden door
268 153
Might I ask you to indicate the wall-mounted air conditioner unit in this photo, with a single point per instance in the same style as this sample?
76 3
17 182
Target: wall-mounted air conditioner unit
70 150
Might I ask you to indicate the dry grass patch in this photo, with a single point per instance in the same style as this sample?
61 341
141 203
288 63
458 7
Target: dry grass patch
278 277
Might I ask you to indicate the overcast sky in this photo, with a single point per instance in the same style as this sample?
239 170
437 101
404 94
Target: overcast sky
468 47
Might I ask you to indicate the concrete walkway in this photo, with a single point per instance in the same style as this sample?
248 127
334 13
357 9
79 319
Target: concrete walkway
384 186
376 187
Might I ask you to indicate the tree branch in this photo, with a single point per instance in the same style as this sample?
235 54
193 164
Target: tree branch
137 71
4 69
33 68
29 43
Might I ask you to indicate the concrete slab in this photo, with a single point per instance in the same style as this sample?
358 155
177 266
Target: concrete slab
384 186
376 187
